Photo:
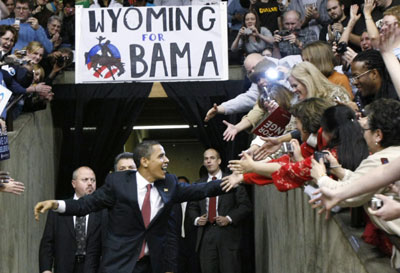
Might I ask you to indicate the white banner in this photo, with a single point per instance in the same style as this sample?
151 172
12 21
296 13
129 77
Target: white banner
5 95
151 44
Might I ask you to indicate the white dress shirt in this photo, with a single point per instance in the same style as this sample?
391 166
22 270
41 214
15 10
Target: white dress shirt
219 177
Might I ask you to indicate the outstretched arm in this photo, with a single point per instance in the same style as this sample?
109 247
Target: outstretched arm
13 187
389 40
373 180
44 206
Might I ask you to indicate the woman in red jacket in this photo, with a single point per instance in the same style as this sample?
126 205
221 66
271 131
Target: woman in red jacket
340 134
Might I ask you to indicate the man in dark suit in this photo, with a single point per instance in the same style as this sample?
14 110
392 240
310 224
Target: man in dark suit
59 246
219 222
139 205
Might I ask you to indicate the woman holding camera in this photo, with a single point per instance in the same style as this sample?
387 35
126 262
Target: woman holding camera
251 36
340 133
381 132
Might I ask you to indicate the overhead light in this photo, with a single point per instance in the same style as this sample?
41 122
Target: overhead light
161 127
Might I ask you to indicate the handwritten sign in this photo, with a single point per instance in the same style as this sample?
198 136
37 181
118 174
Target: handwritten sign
152 44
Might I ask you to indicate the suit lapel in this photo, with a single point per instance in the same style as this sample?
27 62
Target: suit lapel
132 188
162 191
92 223
70 225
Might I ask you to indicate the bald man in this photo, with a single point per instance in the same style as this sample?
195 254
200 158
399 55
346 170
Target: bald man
61 247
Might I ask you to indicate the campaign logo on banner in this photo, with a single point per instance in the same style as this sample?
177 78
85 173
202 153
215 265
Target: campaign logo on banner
151 44
5 95
105 60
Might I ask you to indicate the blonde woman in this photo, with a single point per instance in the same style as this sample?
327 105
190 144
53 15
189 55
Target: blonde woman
306 82
34 52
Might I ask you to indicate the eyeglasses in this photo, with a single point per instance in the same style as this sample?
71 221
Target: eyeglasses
356 78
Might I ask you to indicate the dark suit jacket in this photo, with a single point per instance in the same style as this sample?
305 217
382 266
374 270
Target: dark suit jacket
58 245
235 204
125 230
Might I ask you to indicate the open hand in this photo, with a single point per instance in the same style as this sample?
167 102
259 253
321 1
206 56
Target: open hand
231 181
230 132
44 206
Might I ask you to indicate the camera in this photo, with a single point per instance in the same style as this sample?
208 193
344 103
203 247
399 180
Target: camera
318 155
287 148
376 203
61 60
337 35
284 32
248 31
341 48
273 74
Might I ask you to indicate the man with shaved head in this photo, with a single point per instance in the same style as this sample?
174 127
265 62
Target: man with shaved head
72 244
219 221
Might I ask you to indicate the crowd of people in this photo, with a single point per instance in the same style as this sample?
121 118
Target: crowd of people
344 105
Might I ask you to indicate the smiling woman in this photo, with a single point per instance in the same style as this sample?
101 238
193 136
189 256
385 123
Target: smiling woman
307 82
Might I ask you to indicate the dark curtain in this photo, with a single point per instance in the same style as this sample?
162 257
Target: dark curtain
194 99
111 109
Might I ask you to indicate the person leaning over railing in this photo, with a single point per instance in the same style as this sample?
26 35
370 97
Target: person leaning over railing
340 133
381 132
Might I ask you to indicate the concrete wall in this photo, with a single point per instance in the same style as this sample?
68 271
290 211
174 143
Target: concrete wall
291 237
33 154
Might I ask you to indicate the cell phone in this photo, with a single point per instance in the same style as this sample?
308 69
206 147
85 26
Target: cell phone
17 21
384 161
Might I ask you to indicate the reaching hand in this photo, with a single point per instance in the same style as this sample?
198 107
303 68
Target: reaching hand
326 201
42 89
271 145
390 209
231 181
13 187
245 165
44 206
211 113
230 132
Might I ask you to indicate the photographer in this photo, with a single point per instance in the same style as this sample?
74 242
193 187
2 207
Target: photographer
292 38
55 62
381 134
28 27
53 30
253 37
